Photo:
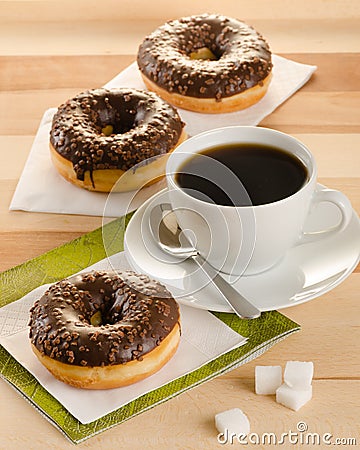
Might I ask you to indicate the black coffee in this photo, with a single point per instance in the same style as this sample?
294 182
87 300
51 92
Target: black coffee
242 175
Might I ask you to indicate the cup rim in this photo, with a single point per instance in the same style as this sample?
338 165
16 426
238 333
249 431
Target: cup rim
170 175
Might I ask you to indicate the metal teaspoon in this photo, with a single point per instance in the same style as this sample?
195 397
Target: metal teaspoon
168 235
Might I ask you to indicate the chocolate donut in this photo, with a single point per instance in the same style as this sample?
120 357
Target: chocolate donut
207 63
99 134
101 330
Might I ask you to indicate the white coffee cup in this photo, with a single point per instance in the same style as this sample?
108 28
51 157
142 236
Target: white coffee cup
245 240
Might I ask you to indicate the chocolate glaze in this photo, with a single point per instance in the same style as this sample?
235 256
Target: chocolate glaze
144 313
143 126
244 57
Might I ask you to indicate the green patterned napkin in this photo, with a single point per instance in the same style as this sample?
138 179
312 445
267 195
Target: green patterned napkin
78 254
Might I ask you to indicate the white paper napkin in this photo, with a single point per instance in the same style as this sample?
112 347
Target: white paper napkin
203 339
42 189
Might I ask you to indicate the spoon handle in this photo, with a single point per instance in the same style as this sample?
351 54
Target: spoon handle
240 305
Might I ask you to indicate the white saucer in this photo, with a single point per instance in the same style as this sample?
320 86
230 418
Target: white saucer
306 271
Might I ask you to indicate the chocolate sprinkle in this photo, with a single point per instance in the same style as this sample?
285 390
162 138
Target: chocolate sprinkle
128 302
243 57
143 126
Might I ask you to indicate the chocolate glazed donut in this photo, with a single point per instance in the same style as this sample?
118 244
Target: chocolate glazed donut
99 134
206 63
102 330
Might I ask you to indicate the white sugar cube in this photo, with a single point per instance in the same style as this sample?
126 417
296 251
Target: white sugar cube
293 398
232 422
298 374
267 379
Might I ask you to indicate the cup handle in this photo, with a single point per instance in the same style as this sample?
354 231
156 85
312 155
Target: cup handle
338 199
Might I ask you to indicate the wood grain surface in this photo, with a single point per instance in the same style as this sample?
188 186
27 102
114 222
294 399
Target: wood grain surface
51 50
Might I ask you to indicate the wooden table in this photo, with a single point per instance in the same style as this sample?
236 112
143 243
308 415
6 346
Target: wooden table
50 50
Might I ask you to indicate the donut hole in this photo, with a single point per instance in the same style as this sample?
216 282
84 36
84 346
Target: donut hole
112 310
204 53
120 124
107 130
203 50
118 115
109 310
108 314
96 319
